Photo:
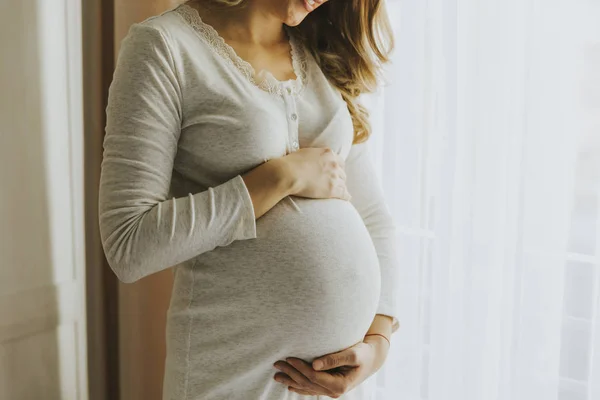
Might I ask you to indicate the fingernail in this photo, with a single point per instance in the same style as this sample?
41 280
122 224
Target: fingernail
317 365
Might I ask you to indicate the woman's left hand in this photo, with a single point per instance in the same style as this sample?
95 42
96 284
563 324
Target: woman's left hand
338 372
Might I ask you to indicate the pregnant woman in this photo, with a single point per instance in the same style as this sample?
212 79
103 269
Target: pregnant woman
235 151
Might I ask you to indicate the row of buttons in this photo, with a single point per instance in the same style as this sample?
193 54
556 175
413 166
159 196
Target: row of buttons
293 117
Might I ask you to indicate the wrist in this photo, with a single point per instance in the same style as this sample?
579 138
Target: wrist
378 337
382 324
287 181
380 347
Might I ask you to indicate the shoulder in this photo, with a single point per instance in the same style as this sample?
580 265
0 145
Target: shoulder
168 24
161 32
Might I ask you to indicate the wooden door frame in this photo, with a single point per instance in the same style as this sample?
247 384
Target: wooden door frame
101 283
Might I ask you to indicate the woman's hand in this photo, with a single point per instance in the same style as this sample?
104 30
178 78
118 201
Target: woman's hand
334 374
316 173
312 172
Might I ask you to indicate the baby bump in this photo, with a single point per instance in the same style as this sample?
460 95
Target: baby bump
307 285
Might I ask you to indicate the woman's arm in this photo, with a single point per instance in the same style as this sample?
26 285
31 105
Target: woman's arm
142 230
367 198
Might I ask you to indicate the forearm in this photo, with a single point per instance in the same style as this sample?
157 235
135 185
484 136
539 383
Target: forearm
268 184
382 324
142 235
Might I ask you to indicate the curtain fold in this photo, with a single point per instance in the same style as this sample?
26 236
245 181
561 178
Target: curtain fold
487 142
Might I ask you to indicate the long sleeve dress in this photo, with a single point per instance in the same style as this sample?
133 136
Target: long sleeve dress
185 118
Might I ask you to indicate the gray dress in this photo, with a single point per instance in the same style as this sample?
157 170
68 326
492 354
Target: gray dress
185 118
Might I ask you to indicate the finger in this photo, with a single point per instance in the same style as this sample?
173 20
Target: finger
300 380
342 174
341 161
346 357
347 195
286 380
339 191
300 391
330 384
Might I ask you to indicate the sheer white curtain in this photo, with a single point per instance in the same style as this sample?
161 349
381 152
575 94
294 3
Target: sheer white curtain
487 139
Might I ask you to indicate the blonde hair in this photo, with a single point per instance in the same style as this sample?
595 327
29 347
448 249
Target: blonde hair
350 40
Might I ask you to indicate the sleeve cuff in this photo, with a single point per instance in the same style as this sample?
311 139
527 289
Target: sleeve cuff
247 224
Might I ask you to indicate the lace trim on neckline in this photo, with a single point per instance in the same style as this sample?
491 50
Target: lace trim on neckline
264 79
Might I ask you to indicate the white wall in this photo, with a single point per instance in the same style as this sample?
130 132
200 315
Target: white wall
42 299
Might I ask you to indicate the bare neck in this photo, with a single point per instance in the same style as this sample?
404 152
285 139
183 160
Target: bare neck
250 24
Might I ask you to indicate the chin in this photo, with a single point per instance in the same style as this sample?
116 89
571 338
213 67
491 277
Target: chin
297 11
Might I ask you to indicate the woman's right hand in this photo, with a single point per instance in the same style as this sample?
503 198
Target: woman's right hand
312 172
316 173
